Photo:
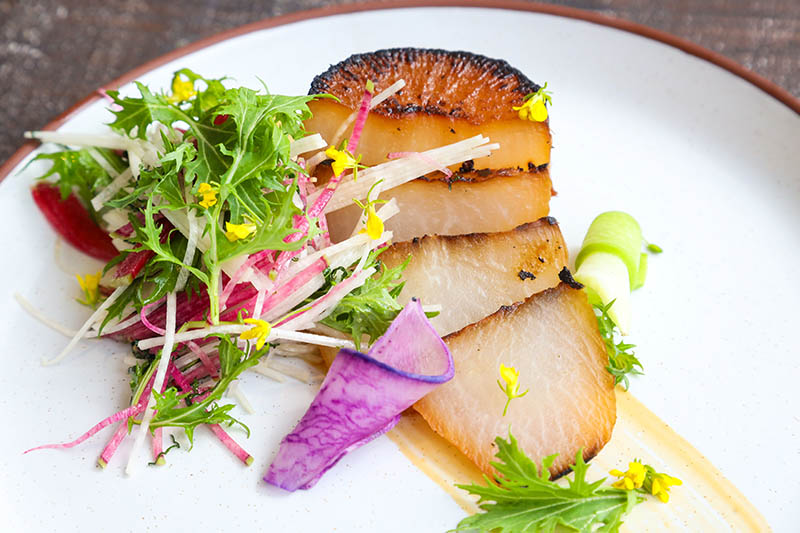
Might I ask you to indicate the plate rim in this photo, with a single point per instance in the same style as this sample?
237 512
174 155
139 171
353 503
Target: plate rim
691 48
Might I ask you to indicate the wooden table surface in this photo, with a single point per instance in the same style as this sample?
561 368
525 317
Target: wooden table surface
55 52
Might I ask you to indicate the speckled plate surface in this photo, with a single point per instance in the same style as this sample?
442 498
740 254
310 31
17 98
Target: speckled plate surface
706 161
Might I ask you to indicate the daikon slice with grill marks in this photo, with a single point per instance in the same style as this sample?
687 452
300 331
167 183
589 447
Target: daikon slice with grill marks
479 201
471 276
449 96
552 339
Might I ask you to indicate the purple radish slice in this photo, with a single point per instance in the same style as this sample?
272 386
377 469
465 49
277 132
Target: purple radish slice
362 397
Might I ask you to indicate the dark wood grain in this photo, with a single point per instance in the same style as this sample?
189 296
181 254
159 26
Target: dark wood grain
53 53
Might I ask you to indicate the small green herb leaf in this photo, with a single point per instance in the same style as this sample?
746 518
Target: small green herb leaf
523 499
621 361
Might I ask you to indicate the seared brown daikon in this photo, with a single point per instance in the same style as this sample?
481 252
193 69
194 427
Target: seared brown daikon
468 202
552 340
471 276
449 96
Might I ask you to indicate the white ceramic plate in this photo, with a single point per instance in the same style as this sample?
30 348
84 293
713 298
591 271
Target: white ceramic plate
707 162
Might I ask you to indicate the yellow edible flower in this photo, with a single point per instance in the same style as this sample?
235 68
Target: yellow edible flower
260 331
660 486
374 226
342 160
632 479
511 377
534 108
645 478
208 193
235 232
181 90
90 285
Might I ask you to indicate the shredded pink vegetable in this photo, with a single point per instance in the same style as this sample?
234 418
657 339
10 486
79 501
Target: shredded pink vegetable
427 159
113 107
315 308
361 119
113 444
121 415
158 446
149 325
292 285
204 359
231 444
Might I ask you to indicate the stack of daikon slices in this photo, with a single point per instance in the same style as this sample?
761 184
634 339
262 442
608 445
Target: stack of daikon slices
481 246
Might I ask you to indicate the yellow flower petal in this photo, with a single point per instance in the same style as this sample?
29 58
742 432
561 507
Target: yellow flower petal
374 224
90 285
342 160
535 107
260 330
209 200
624 484
235 232
636 472
538 111
181 90
208 193
509 374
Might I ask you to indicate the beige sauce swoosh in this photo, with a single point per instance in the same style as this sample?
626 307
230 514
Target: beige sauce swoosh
705 502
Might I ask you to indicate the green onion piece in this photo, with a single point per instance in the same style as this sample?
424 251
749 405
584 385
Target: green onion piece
642 273
616 233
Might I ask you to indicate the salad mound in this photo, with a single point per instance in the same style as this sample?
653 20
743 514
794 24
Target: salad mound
222 261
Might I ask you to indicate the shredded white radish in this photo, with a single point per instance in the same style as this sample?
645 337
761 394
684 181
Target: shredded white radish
125 324
263 369
158 383
115 219
291 349
135 163
188 256
179 219
306 144
294 299
386 93
315 160
103 162
301 372
38 315
111 189
308 318
399 171
83 329
236 391
62 266
121 244
111 141
352 255
236 329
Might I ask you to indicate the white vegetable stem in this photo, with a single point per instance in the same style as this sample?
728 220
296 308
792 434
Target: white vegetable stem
158 384
86 325
111 140
306 144
399 171
111 189
236 329
41 317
